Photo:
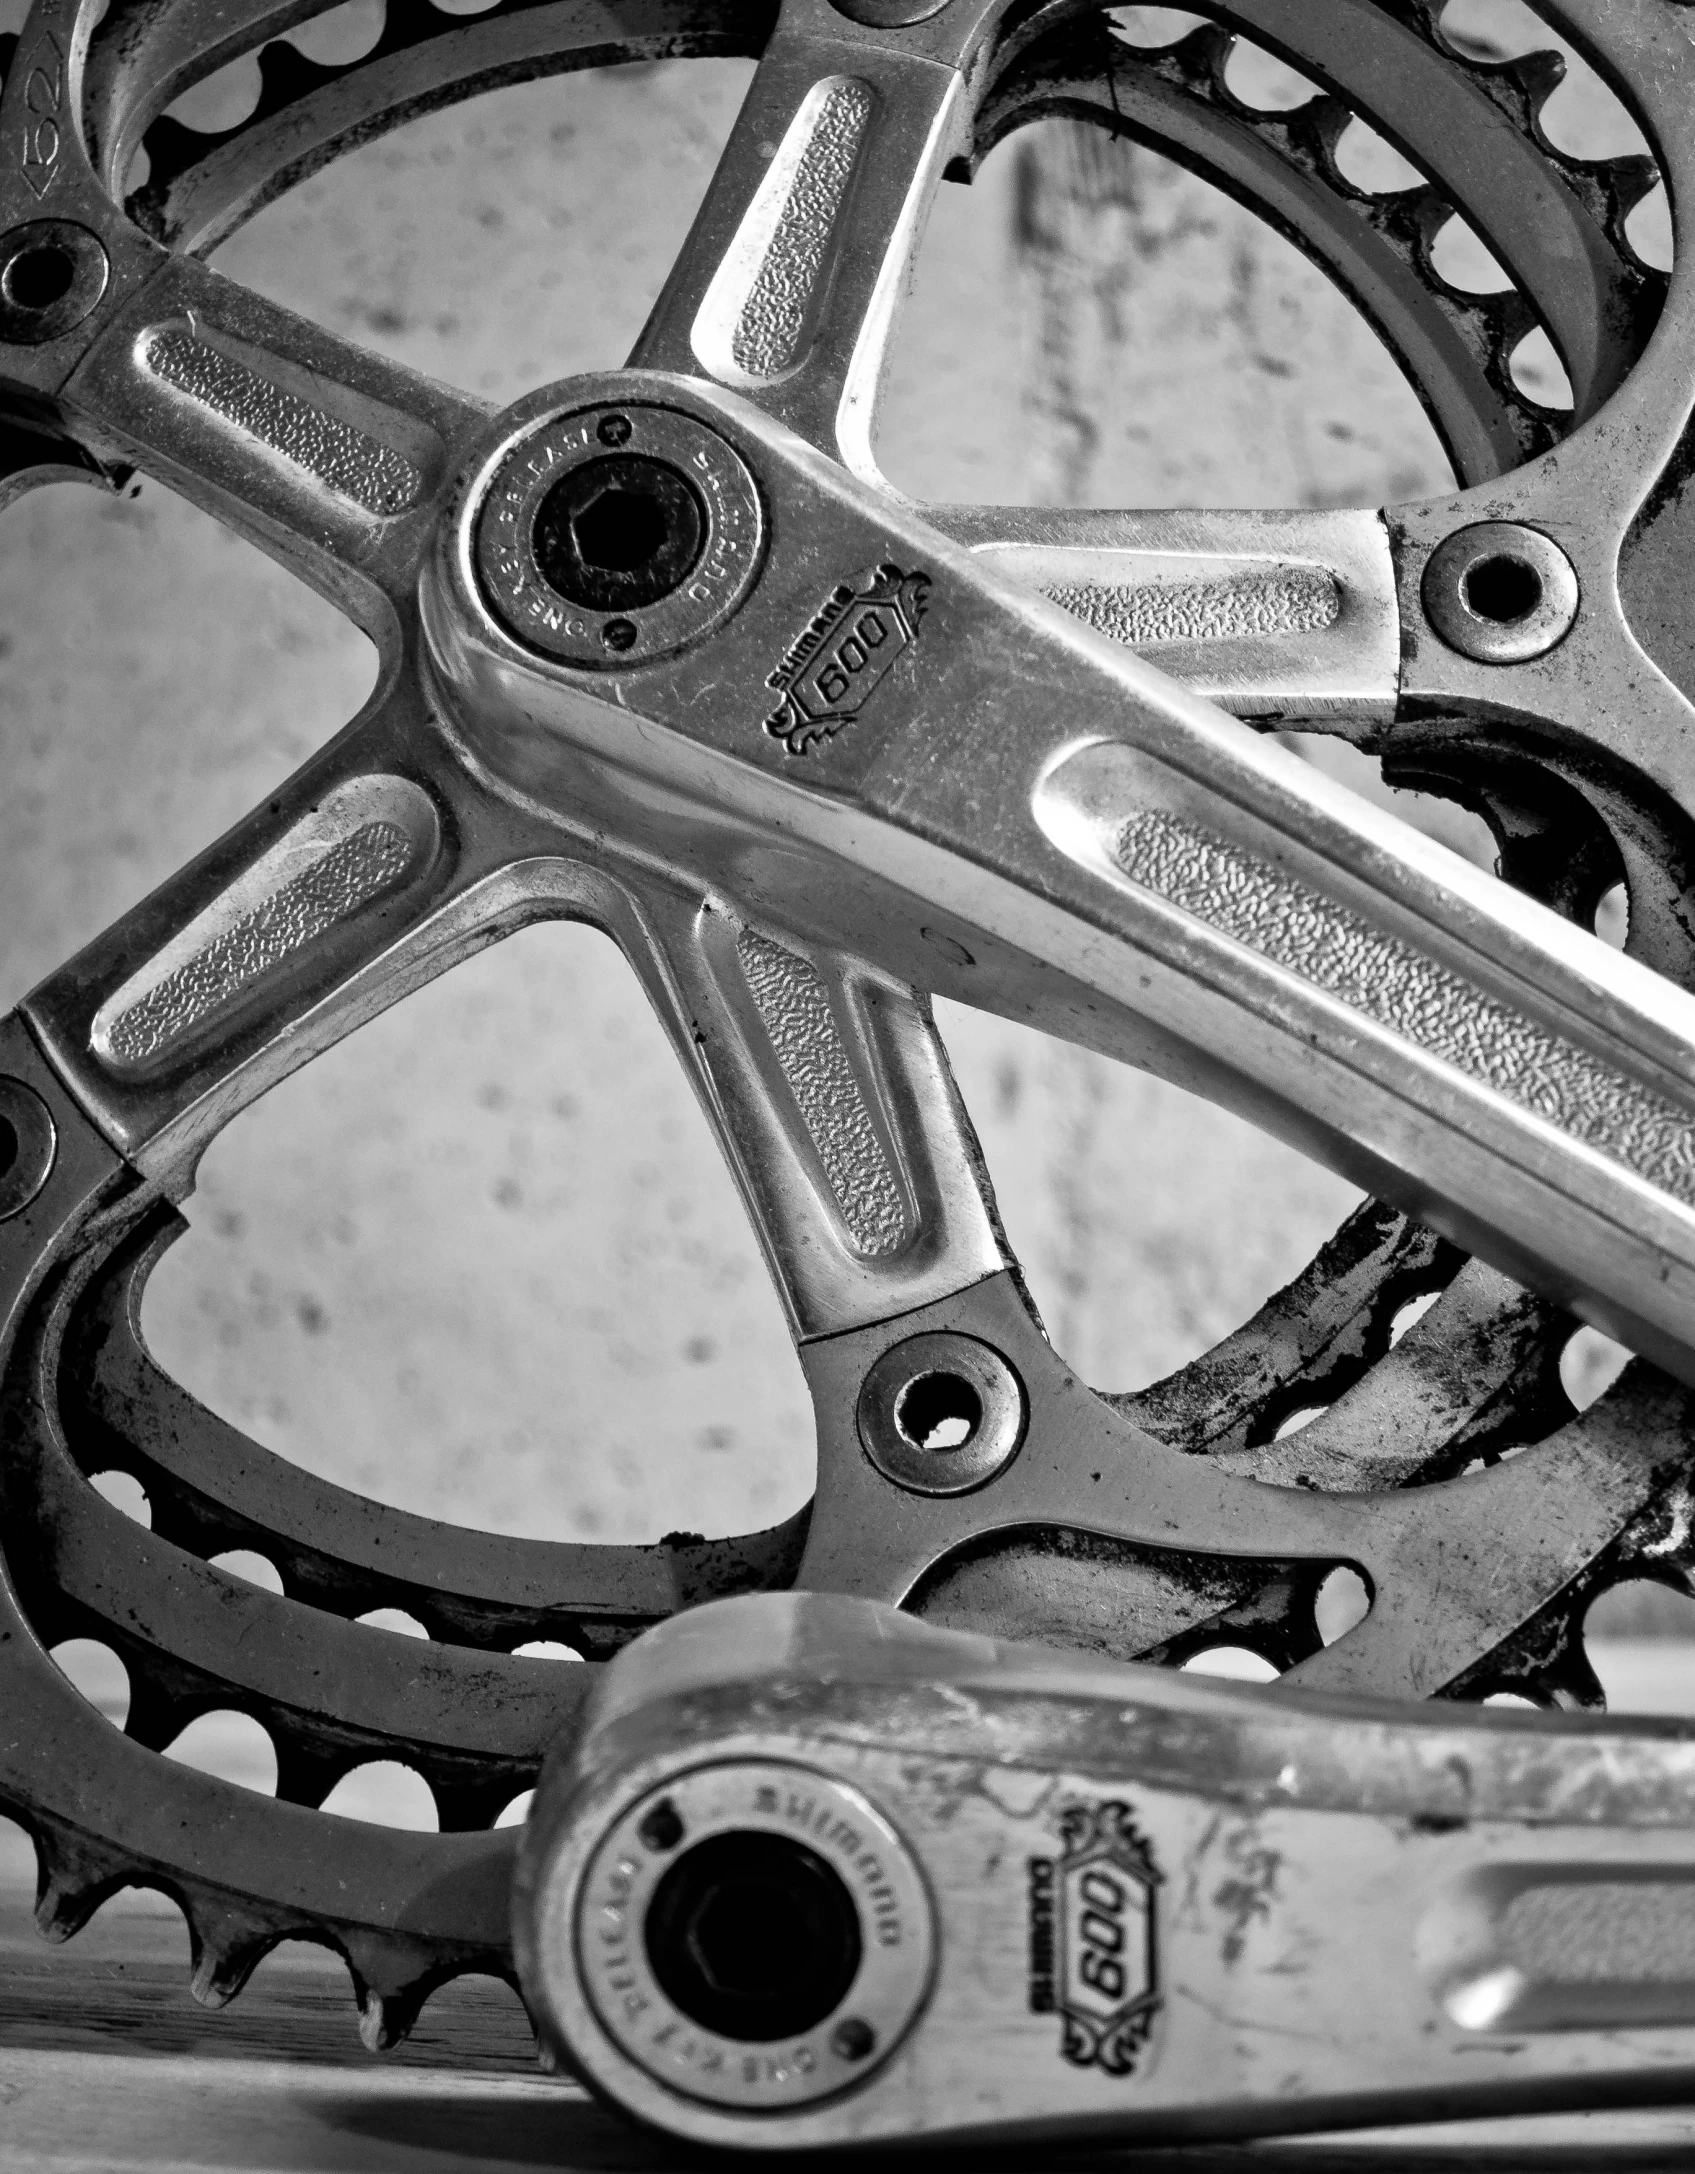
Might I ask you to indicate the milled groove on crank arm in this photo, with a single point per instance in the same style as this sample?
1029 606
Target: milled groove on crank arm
817 1874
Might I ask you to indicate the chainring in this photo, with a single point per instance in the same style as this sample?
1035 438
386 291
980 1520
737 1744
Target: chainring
1477 1376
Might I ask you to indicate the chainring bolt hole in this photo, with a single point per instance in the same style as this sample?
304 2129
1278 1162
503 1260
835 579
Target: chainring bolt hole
942 1413
1500 593
939 1412
754 1936
29 1143
52 275
1504 589
37 278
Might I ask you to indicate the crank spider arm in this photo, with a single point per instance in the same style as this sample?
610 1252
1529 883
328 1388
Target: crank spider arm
816 1874
879 746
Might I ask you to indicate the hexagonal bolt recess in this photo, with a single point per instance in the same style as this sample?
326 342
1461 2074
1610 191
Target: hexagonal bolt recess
619 533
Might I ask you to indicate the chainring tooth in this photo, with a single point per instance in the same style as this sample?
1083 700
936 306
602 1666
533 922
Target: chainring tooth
227 1943
74 1876
1063 71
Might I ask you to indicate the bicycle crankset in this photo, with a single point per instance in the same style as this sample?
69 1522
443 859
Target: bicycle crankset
660 652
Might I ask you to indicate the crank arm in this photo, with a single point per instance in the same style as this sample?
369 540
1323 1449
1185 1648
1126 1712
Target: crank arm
816 1874
881 745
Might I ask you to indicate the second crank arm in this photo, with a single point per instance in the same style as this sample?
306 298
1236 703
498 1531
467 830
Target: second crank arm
818 1875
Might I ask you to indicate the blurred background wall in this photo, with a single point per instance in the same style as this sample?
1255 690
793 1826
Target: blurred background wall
482 1260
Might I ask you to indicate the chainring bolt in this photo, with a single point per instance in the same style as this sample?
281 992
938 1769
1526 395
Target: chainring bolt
1500 592
941 1414
52 275
29 1142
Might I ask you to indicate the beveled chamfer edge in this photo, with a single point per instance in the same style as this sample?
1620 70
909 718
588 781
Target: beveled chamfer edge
907 845
1082 806
918 122
337 471
1365 857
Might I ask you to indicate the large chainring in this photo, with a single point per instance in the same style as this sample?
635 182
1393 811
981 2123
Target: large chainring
1573 804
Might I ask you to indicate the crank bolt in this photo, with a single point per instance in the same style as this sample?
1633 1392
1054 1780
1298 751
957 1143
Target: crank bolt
753 1936
28 1143
1500 593
941 1414
778 1954
613 536
52 274
617 534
